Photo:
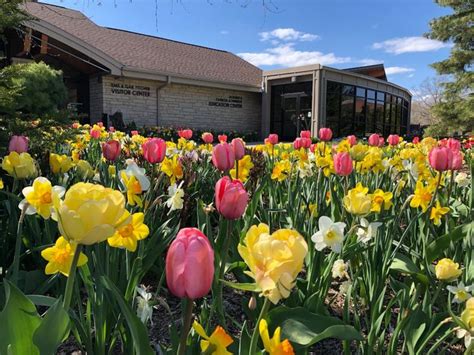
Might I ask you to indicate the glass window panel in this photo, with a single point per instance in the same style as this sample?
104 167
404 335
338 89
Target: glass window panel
346 125
386 129
371 94
379 117
333 106
360 92
359 119
380 96
348 90
370 123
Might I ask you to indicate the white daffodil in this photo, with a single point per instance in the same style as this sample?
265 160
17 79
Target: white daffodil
176 194
344 287
339 269
305 170
144 306
330 234
462 179
468 338
134 170
461 293
411 167
367 230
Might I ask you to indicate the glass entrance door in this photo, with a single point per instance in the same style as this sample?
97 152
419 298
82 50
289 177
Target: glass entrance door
296 115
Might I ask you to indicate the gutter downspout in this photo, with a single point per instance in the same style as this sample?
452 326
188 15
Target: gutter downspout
158 89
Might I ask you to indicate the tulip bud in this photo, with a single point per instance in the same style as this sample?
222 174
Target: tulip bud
325 134
302 143
393 139
222 138
100 124
273 139
441 159
352 140
416 140
76 125
207 137
154 150
111 150
374 140
231 198
223 156
381 141
239 148
252 303
190 264
185 133
305 134
342 164
18 144
111 129
134 133
95 133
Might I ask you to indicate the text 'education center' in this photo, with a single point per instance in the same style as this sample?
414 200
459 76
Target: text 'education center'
160 82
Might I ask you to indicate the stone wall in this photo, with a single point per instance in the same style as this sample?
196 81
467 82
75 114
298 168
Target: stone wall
96 98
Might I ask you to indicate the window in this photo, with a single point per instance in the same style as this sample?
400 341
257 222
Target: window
379 112
360 109
393 115
370 122
346 123
399 115
404 123
386 129
333 106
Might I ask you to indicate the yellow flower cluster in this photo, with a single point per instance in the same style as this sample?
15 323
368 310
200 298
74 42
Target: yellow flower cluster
359 202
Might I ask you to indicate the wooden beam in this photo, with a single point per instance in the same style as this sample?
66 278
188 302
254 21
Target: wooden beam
44 44
27 41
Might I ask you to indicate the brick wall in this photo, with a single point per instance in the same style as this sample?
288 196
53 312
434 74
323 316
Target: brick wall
96 99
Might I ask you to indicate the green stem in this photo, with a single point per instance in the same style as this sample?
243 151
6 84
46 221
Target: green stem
16 257
255 335
187 317
70 279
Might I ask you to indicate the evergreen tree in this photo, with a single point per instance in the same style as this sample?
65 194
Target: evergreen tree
455 111
11 14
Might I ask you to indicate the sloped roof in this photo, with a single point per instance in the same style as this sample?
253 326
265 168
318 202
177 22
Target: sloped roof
149 53
375 71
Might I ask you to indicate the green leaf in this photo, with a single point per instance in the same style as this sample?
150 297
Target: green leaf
441 244
415 328
404 264
18 322
40 300
242 286
53 330
304 328
138 330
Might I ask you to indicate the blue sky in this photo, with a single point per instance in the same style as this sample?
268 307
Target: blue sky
337 33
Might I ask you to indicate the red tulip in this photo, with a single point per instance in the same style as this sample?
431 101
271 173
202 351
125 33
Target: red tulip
239 148
95 133
207 137
393 139
352 140
185 133
305 134
381 141
223 156
154 150
457 160
273 138
453 144
325 134
190 264
416 140
441 158
342 164
374 140
222 138
18 144
111 150
231 198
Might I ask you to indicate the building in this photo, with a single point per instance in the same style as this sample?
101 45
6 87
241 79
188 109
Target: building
154 81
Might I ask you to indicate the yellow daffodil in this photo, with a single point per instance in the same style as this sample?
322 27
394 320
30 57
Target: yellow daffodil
59 164
422 197
358 151
274 259
447 270
1 184
245 165
128 235
91 213
274 345
217 343
133 188
467 316
184 144
281 170
326 163
437 212
357 201
59 257
172 167
41 197
20 166
381 199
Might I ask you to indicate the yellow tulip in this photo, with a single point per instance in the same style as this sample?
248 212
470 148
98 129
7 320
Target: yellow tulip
274 259
467 316
357 201
84 170
20 166
60 257
59 164
91 213
447 270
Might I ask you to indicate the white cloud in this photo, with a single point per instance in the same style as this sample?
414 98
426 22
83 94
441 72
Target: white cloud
224 32
286 55
411 75
287 34
409 45
369 61
398 70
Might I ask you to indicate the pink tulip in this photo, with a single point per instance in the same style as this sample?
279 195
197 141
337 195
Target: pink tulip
222 138
207 137
190 264
223 156
453 144
95 133
239 148
302 143
342 163
416 140
231 198
111 150
273 138
325 134
457 160
18 144
185 133
100 124
305 134
76 125
134 133
111 129
441 158
352 140
313 147
393 139
374 140
154 150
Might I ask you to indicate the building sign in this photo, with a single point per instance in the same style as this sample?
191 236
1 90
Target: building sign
230 101
132 90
